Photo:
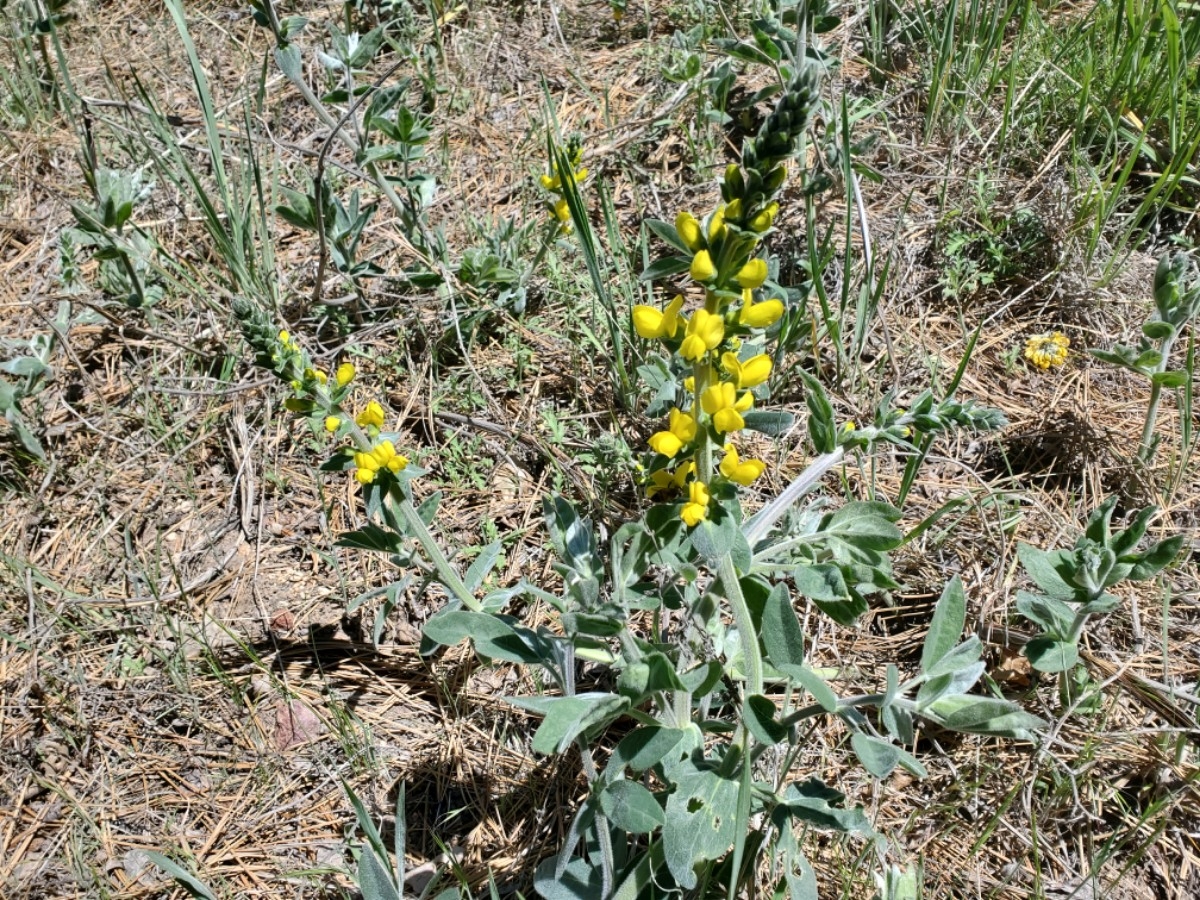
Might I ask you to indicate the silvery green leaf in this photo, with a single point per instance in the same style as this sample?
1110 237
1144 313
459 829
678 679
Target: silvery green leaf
494 636
373 878
1052 615
1170 379
1156 331
567 717
866 524
24 367
579 879
782 636
1052 571
1156 558
1047 654
186 879
961 657
761 718
701 816
946 626
984 715
645 747
631 807
817 804
878 757
482 565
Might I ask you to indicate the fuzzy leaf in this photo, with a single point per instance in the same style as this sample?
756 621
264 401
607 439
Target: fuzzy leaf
946 626
630 806
1049 655
878 757
700 822
782 636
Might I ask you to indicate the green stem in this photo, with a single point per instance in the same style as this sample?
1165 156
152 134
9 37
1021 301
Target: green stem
441 565
747 633
1145 448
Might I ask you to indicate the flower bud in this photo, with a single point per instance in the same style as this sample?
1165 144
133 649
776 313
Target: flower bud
702 268
689 231
752 274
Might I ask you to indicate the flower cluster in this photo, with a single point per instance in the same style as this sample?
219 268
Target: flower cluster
716 338
322 398
553 182
1047 351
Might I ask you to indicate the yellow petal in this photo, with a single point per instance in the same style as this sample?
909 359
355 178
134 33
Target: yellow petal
752 274
647 322
689 231
332 423
345 374
666 443
702 268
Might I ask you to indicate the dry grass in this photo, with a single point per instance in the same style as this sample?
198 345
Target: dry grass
176 670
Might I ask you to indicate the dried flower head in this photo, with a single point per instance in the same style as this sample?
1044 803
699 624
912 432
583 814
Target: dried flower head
1047 351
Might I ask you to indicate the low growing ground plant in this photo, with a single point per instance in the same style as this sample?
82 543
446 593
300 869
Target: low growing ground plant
681 625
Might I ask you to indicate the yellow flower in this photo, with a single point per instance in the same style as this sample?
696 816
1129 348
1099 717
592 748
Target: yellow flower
332 423
702 268
345 374
367 464
316 375
1047 350
652 324
759 315
370 417
716 225
689 384
752 274
724 405
562 211
704 331
680 431
765 218
551 182
386 456
380 457
695 510
750 373
663 481
733 210
689 231
741 471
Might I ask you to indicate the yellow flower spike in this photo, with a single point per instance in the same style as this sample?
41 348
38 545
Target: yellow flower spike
551 182
716 225
748 374
724 405
759 315
652 324
562 211
689 231
370 417
345 374
364 476
695 510
752 274
1047 351
332 424
680 431
702 268
704 332
741 471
